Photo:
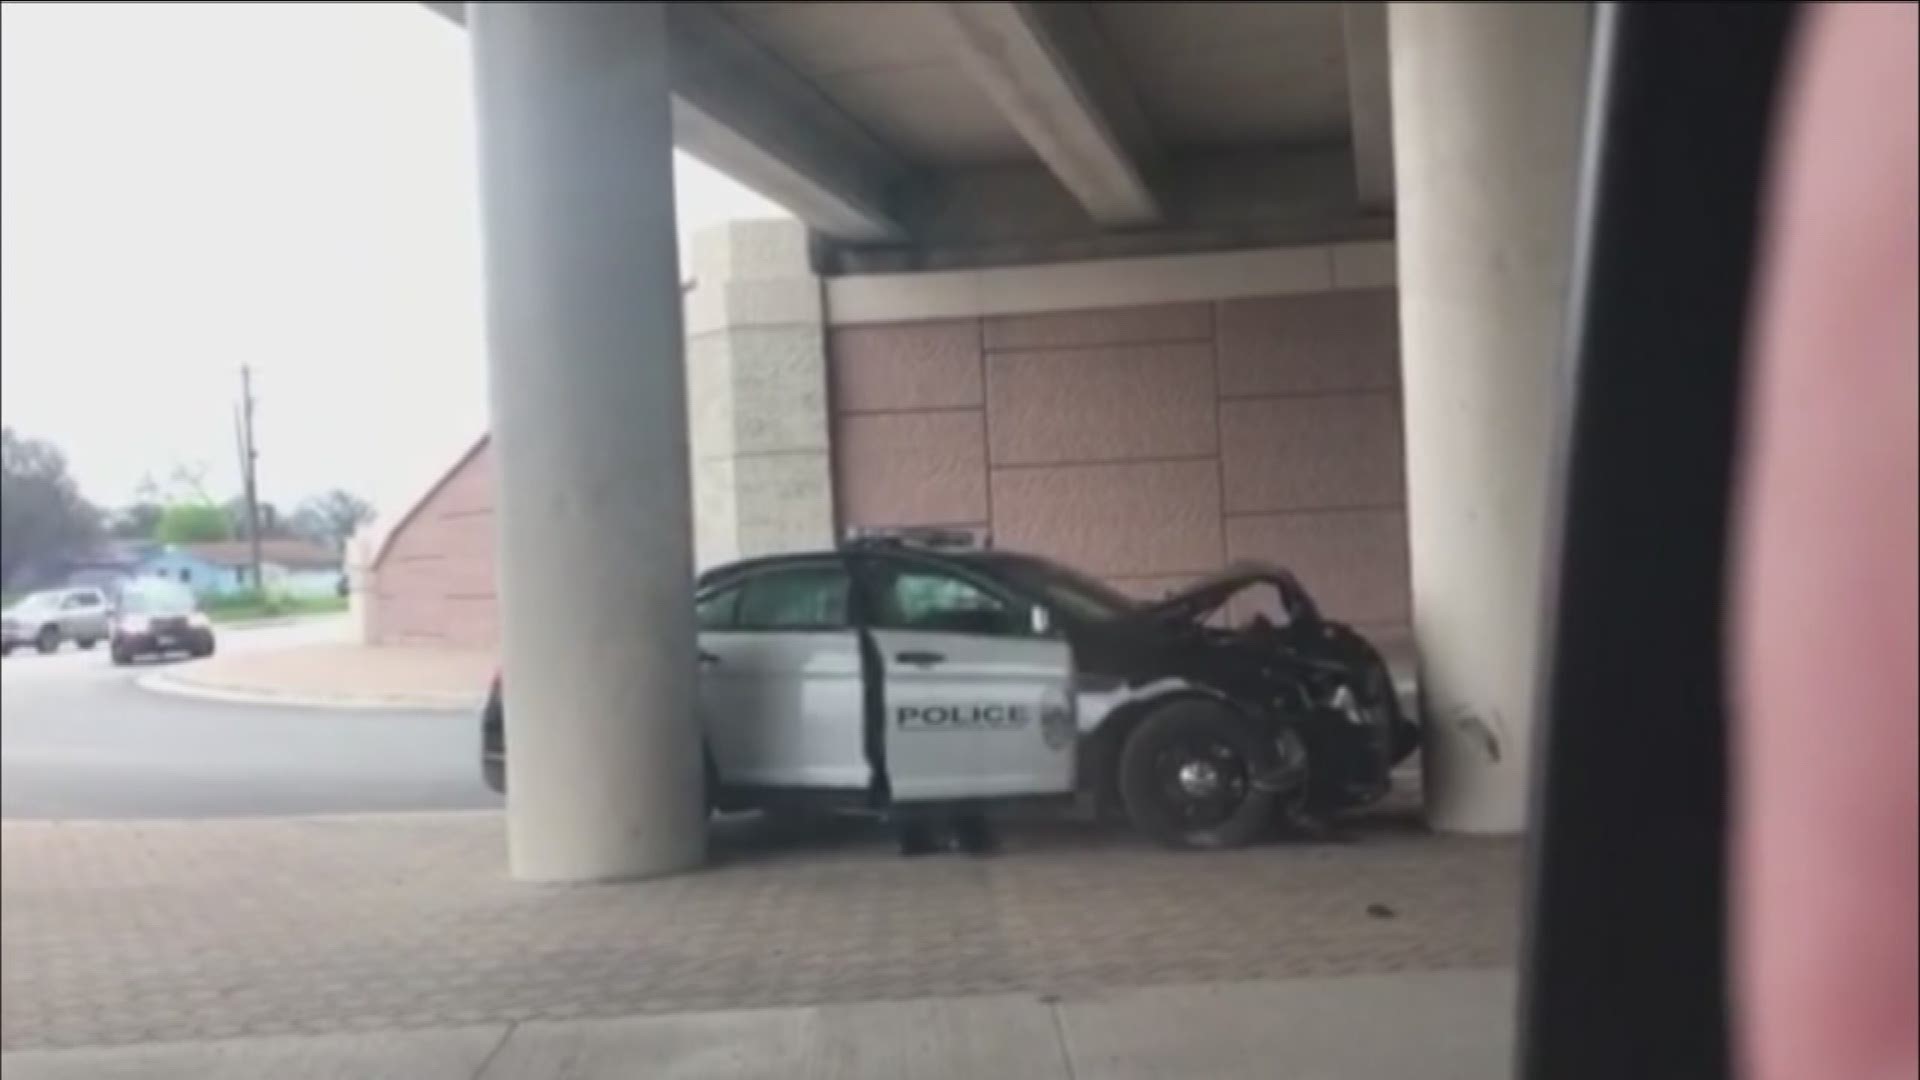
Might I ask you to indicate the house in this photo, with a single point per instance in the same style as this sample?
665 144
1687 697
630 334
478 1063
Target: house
103 565
108 564
292 568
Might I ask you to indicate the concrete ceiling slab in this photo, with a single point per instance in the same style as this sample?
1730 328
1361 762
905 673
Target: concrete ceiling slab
1221 75
932 116
897 139
824 39
887 67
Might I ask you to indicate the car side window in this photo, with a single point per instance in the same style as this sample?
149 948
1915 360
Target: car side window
74 602
913 598
717 611
812 597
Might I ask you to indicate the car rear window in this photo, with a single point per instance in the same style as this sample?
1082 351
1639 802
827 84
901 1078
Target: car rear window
812 597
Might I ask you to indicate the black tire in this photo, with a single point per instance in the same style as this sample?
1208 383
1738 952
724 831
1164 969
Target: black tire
201 648
122 656
7 649
1209 737
47 640
88 642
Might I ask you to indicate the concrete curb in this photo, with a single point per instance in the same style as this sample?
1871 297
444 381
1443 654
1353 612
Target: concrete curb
162 682
267 623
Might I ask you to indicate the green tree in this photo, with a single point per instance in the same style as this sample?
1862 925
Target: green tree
191 523
42 515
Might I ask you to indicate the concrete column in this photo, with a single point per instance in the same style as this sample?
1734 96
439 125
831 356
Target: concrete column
590 436
757 393
1487 102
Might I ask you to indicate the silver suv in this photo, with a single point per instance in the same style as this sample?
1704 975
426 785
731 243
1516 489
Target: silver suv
45 619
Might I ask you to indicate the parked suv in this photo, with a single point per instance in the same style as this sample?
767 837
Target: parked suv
159 617
45 619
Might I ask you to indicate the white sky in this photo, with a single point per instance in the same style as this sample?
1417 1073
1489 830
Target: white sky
190 187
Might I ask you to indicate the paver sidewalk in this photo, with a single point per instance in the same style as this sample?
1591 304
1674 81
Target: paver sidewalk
338 673
116 933
1454 1025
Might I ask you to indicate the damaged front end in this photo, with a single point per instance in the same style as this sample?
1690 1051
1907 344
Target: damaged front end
1262 639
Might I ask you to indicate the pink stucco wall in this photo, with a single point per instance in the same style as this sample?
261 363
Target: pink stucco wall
1147 444
432 583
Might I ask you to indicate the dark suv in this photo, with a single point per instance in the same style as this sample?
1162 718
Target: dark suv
158 618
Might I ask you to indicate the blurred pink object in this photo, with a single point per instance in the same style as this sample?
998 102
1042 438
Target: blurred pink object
1825 892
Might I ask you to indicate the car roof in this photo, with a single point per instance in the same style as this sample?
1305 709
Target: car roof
962 558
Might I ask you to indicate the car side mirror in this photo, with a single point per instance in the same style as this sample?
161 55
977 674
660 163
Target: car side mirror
1041 620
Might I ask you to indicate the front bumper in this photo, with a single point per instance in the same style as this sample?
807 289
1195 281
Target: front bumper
153 641
1356 747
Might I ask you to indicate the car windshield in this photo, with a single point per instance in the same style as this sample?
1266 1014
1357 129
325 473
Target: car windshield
156 602
1076 594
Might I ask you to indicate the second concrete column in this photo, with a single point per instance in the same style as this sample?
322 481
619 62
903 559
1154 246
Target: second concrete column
1487 111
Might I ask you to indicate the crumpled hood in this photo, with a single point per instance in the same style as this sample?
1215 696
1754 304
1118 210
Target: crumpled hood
1213 590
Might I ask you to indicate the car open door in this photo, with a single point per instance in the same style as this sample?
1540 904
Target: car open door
976 699
781 686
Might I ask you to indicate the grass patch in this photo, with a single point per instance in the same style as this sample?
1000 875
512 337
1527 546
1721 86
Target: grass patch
247 606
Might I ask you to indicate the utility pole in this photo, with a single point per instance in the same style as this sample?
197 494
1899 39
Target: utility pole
249 457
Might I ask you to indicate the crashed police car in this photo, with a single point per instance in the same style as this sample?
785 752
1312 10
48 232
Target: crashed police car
917 670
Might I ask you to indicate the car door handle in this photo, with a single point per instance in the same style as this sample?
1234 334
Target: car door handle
920 657
707 659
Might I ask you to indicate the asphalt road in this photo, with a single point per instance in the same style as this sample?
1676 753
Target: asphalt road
78 739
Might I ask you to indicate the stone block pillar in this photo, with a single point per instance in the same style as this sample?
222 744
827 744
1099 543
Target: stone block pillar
757 393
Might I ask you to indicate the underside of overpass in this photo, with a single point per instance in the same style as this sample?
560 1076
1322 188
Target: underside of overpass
1041 174
916 136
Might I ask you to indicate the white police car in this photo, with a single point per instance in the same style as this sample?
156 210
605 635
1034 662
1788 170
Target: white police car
902 670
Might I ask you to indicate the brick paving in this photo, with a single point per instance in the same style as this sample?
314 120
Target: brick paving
114 933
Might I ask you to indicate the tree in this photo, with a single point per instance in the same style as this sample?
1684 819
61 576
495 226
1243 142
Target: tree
191 523
135 521
332 517
42 515
273 525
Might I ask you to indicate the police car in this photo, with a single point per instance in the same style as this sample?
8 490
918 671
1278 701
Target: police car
918 669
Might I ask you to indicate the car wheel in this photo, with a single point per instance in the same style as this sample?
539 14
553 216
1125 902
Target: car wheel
88 642
47 640
120 653
7 649
202 648
1187 778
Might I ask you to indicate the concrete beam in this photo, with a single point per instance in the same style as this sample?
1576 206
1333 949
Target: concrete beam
1369 102
1051 75
1021 215
741 110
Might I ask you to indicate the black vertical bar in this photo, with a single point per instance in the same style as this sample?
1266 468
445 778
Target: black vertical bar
1624 965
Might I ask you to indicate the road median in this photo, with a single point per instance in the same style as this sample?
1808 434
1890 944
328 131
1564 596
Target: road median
336 675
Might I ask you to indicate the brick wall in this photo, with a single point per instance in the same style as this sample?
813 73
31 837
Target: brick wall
1148 444
433 582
